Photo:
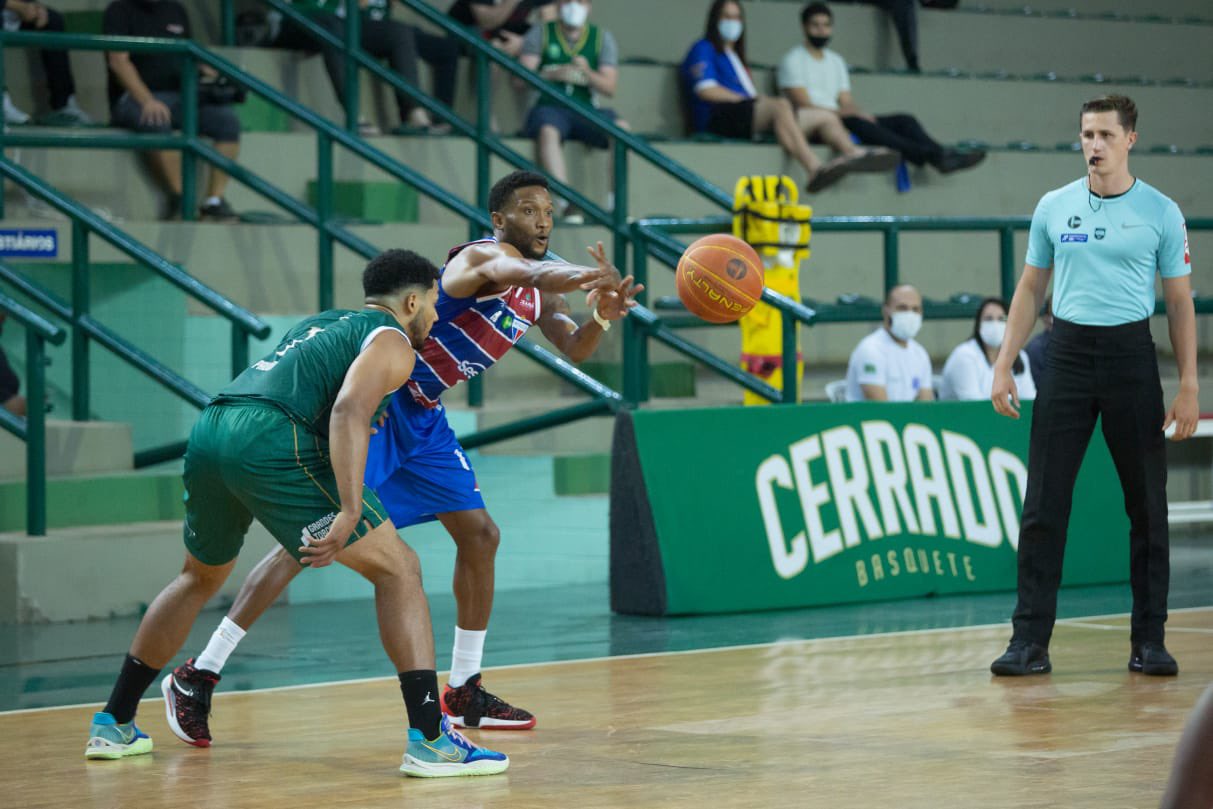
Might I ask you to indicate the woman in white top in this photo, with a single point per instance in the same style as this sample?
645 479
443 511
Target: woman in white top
969 372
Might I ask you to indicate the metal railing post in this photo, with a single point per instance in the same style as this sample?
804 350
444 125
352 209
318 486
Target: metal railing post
353 40
635 336
227 22
2 128
80 310
239 350
892 267
324 212
1006 263
35 434
189 130
484 119
791 381
619 216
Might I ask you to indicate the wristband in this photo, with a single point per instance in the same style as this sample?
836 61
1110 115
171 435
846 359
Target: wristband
600 320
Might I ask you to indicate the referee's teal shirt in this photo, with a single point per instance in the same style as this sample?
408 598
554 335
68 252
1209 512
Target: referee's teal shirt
1105 251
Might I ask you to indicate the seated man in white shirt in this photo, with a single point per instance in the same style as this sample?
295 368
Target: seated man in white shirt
815 78
887 365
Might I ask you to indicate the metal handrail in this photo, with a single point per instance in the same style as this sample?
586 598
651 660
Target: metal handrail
32 428
327 133
653 236
488 143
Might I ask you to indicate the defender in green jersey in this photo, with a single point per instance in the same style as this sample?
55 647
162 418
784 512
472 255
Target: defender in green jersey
286 442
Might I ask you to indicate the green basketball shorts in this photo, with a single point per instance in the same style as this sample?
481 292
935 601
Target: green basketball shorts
247 461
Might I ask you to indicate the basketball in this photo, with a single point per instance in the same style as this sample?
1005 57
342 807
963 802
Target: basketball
719 278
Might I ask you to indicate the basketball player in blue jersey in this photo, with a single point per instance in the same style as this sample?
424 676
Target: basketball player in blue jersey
1102 239
490 293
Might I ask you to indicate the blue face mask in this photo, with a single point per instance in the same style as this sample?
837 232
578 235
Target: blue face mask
729 30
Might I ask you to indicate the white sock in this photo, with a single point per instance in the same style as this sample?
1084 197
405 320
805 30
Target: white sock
216 201
222 644
465 659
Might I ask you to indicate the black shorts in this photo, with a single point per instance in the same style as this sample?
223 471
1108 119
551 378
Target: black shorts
10 385
570 125
215 121
733 120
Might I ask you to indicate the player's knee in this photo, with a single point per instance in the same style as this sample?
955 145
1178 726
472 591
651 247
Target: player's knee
197 575
483 541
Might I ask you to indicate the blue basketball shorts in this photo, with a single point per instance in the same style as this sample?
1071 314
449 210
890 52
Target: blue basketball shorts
416 466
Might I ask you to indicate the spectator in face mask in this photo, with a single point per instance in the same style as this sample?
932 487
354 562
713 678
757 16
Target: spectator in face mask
888 365
724 101
969 372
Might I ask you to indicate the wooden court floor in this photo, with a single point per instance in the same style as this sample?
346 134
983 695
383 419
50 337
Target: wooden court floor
900 720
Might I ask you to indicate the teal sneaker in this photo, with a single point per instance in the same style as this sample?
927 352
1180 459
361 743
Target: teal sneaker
449 755
109 740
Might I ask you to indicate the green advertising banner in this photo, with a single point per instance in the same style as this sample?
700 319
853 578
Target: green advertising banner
731 509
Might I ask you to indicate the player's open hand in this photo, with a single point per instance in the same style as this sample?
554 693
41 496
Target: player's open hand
606 278
1183 413
321 552
1004 394
614 304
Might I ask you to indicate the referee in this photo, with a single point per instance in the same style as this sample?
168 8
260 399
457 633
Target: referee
1105 236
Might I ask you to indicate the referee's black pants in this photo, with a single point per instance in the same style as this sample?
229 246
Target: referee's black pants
1111 373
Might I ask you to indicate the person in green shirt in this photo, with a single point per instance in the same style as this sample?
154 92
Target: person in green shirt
582 59
286 443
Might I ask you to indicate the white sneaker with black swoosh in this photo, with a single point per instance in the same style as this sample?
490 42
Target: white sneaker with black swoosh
187 703
451 754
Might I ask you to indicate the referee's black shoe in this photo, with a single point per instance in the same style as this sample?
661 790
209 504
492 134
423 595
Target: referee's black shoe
1021 658
1153 659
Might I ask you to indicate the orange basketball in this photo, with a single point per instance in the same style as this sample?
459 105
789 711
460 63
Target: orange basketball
719 278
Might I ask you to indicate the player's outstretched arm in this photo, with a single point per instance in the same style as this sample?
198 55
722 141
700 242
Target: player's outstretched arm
486 268
382 368
579 342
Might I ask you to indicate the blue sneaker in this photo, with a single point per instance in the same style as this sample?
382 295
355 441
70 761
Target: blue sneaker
109 740
449 755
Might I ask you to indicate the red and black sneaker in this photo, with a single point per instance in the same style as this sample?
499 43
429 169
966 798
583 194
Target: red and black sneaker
187 702
470 706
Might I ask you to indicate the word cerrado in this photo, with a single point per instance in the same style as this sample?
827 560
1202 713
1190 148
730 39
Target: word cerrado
882 482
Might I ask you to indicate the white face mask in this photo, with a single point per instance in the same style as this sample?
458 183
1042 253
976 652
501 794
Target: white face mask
730 30
574 14
992 332
905 325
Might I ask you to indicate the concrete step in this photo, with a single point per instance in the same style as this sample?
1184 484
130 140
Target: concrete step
112 570
649 99
73 448
90 500
864 36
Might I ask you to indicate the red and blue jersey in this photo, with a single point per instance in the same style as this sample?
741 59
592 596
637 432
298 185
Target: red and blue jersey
470 336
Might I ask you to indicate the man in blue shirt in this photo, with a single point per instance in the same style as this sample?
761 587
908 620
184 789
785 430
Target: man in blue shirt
1104 236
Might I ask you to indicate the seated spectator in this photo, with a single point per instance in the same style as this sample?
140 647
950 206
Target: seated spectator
888 365
382 38
27 15
145 95
10 386
724 102
582 58
1037 348
814 77
968 375
502 22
